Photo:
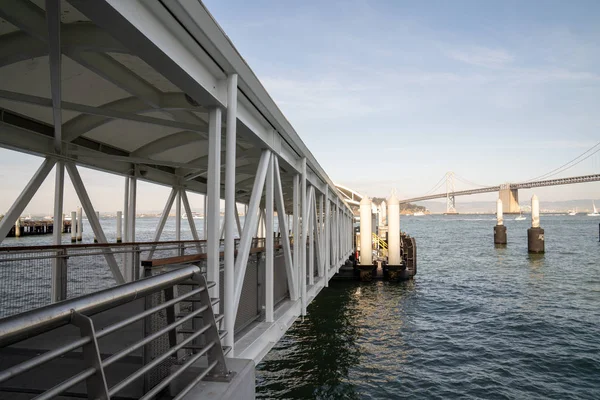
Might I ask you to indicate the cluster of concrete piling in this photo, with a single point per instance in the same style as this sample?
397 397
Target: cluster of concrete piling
392 266
535 234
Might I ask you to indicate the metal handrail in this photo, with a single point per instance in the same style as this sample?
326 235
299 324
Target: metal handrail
6 249
77 311
30 323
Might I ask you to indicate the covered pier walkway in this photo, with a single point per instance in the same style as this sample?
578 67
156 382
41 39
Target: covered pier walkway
154 91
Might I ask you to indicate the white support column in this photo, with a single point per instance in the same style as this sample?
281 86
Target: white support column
327 237
97 216
126 256
260 229
57 270
241 262
333 234
177 214
350 232
296 234
269 302
321 229
119 226
311 236
130 267
317 235
163 218
126 210
205 219
237 220
230 211
283 223
214 201
337 234
93 220
53 14
302 244
24 198
222 229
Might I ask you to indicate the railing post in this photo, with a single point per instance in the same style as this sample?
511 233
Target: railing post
96 384
135 272
59 277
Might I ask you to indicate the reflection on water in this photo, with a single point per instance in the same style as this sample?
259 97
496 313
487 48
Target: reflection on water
477 322
301 367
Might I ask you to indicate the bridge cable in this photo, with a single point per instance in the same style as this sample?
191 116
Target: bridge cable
562 169
436 186
468 182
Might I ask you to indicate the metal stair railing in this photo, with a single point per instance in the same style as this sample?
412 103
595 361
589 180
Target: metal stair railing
381 245
380 241
78 311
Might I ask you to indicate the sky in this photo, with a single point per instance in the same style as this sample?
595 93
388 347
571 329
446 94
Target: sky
393 94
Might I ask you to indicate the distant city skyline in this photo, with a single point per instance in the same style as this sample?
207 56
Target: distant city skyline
393 94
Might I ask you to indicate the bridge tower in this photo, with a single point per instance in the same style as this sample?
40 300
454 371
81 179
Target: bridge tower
450 200
510 199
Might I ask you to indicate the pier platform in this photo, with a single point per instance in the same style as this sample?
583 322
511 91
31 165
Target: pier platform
28 227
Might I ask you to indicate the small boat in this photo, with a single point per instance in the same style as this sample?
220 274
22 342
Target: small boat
521 217
595 213
573 212
419 214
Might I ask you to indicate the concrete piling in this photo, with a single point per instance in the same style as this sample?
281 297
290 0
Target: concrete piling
119 229
499 229
393 220
535 234
18 227
365 267
79 224
366 254
73 226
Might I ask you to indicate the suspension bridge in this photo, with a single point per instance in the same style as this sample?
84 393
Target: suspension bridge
509 192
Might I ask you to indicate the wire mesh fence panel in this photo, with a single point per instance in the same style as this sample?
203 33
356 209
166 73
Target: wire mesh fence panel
249 308
88 271
280 284
161 344
25 280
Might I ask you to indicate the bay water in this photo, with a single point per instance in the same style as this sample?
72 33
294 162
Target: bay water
477 322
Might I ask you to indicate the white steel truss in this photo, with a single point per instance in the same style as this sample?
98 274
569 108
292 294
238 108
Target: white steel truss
168 74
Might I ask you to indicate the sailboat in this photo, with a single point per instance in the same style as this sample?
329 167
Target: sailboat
573 212
595 213
521 217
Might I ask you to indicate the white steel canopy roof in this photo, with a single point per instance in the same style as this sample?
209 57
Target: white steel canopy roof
137 79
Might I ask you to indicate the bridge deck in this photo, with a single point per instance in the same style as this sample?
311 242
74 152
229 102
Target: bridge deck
523 185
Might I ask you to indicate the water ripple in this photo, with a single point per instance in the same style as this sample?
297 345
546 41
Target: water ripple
478 322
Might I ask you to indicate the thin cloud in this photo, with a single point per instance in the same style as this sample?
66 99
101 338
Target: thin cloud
482 56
